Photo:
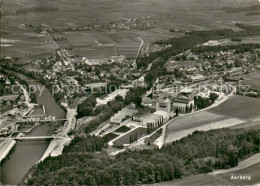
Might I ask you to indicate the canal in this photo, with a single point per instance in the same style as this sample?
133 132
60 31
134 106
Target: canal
26 154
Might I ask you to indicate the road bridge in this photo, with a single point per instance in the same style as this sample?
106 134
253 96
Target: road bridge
35 138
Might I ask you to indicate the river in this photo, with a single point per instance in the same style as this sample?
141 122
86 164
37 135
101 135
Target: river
26 154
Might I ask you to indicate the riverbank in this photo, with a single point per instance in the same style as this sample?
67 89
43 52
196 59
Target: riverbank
56 146
25 155
6 147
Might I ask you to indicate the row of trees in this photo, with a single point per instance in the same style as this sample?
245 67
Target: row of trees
198 153
133 138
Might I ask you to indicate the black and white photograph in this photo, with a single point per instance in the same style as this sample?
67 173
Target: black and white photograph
130 92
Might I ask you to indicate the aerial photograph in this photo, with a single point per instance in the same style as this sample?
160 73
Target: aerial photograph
130 92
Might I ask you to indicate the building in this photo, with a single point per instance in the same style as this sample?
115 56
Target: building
122 116
153 120
147 101
181 103
117 59
235 71
188 92
164 106
211 43
165 115
143 113
197 78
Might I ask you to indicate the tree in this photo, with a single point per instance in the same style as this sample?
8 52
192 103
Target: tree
195 101
130 139
213 97
177 111
138 101
136 137
191 107
148 129
119 98
186 109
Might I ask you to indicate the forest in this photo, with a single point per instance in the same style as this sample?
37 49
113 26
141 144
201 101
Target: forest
239 49
201 152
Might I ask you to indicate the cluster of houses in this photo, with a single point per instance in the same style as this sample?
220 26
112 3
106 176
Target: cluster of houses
125 24
198 67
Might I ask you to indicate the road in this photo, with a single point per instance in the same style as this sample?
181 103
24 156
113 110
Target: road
141 45
58 48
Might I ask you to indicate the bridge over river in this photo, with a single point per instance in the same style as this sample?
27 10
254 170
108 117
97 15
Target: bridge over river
24 122
35 138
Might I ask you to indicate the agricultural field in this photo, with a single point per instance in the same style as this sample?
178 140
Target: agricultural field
95 45
125 138
194 120
243 107
178 134
183 126
23 42
253 80
236 112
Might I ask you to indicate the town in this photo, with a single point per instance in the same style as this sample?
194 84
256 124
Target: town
172 99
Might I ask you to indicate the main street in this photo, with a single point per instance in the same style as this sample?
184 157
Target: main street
61 52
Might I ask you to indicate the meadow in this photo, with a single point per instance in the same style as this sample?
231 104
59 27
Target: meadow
249 171
253 81
236 112
243 107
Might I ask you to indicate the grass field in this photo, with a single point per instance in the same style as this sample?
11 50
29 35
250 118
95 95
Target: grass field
240 107
110 136
245 40
181 126
178 134
253 80
123 129
236 112
221 179
203 179
193 120
37 111
251 171
125 138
